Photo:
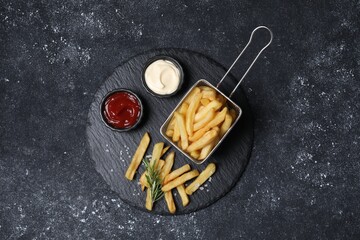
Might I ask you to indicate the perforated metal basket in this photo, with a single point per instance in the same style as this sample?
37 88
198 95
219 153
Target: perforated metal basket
231 104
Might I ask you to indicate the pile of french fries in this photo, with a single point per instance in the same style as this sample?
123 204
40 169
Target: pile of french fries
170 179
200 122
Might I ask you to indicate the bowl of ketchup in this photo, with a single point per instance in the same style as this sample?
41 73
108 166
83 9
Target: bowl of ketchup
121 110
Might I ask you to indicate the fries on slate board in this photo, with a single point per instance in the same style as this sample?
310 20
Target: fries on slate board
158 177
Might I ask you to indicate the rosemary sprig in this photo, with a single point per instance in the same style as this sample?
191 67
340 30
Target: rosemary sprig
153 177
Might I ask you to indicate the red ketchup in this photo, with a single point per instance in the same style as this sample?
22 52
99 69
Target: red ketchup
122 110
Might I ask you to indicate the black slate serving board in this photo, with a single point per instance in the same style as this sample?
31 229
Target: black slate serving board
112 151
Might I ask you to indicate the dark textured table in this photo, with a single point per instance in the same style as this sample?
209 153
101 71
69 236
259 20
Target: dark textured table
303 178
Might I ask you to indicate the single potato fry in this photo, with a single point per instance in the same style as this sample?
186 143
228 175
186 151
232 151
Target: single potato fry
209 94
206 88
221 99
203 141
226 124
190 114
208 117
170 201
184 197
219 118
204 101
176 173
156 153
171 124
169 133
207 149
212 105
148 202
200 108
189 98
165 149
183 108
169 162
233 113
143 181
180 180
183 134
204 175
138 156
195 154
176 135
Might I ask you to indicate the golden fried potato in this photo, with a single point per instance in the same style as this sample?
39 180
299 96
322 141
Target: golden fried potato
170 202
169 162
233 114
183 134
219 118
148 202
190 96
195 154
204 101
204 175
184 197
226 124
176 173
138 156
208 117
212 105
207 149
169 133
183 108
180 180
209 94
203 141
190 114
176 134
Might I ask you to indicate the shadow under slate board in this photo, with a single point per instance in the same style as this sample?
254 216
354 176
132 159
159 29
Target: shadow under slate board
112 151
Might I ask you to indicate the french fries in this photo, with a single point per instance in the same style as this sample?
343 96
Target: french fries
176 173
138 156
204 175
207 149
180 180
183 134
190 113
169 133
156 154
189 98
169 162
195 154
164 150
158 151
207 138
219 118
212 105
204 101
200 124
148 201
183 195
162 180
170 202
201 111
226 124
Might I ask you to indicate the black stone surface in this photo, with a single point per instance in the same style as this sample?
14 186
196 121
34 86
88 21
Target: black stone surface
112 151
302 180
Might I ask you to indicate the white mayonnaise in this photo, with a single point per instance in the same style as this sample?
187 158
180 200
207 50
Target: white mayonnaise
162 77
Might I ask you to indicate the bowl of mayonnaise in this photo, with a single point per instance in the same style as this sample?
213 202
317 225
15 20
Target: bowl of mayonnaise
162 76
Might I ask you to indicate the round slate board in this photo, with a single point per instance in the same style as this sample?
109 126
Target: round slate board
112 151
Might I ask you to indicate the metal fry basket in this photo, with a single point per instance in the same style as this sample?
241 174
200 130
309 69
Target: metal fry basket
231 104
